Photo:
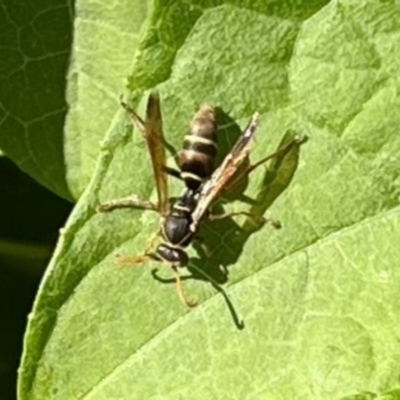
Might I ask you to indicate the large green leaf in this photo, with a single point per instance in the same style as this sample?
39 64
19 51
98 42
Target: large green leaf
319 299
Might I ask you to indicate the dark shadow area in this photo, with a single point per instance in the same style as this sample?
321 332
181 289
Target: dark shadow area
228 133
30 219
28 211
223 240
17 292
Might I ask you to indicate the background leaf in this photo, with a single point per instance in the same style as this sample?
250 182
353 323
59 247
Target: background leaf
35 43
56 149
319 298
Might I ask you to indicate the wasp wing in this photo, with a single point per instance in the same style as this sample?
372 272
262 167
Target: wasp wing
155 141
221 177
151 130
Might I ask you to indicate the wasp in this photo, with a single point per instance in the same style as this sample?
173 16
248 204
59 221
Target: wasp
196 163
182 217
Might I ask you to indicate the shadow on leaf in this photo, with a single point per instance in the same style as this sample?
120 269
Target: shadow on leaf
223 240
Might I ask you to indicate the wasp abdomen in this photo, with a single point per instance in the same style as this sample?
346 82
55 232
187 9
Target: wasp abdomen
199 148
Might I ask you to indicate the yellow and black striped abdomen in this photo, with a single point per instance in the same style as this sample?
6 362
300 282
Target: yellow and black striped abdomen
199 148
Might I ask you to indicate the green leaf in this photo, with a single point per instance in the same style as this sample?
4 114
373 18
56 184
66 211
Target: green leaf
56 149
35 49
106 37
319 298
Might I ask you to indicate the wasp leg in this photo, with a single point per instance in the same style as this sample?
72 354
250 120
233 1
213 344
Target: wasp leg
140 125
173 172
255 218
284 148
171 149
298 140
127 202
150 247
149 253
179 289
134 117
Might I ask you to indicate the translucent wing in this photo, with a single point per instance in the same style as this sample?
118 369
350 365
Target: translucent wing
224 173
155 141
152 131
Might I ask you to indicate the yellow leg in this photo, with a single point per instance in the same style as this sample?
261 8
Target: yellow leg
142 258
127 202
255 218
180 291
150 247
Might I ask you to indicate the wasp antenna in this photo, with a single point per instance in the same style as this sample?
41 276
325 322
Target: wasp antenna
129 260
123 103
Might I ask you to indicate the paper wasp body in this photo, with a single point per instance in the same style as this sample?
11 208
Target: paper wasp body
196 164
182 217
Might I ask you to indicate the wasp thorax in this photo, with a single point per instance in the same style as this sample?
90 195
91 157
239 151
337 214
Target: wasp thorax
199 148
176 228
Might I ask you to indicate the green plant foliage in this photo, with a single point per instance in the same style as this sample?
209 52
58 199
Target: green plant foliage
56 149
310 311
35 41
106 37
